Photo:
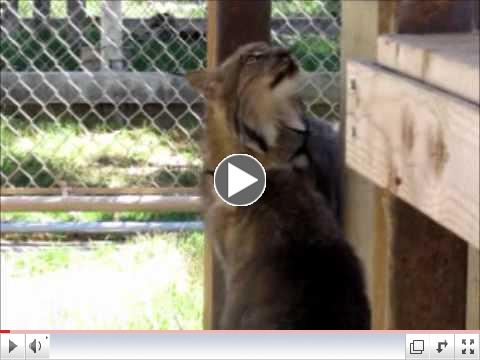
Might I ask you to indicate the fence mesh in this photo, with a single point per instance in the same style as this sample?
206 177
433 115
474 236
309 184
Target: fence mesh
92 94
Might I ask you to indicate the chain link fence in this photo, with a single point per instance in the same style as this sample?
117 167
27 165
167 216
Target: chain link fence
93 98
93 102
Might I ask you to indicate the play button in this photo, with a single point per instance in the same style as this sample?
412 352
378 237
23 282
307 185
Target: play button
239 180
11 346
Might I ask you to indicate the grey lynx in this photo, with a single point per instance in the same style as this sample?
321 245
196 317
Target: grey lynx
285 261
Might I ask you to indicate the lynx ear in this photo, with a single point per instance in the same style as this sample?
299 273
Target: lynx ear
206 82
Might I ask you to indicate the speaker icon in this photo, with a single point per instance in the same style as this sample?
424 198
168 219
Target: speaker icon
35 346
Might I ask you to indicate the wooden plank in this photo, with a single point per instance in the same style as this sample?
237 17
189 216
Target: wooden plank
418 142
378 228
157 203
366 230
232 32
413 16
449 61
212 277
428 273
473 289
476 17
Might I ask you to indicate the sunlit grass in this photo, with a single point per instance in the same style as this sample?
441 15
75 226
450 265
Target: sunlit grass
110 158
150 282
97 216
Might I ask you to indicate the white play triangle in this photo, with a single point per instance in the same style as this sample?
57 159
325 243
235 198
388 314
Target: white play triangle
238 180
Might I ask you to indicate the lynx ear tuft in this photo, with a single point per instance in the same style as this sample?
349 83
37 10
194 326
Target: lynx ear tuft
204 81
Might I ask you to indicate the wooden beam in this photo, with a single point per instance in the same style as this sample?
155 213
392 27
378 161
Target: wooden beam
367 230
439 16
227 30
449 61
378 228
233 31
427 273
157 203
473 289
423 146
212 277
476 19
418 142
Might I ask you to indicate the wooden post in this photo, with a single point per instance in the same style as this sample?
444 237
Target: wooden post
227 30
76 17
434 16
473 289
112 34
416 269
476 19
365 223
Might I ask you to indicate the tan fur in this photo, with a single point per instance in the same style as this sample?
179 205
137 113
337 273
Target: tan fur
260 246
264 109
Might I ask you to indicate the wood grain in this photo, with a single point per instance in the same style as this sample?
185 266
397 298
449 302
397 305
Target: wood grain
362 22
226 32
419 143
449 61
473 289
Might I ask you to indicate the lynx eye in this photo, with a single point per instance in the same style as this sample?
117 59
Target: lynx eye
253 58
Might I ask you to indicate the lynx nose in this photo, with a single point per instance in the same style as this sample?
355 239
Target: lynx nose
284 55
280 53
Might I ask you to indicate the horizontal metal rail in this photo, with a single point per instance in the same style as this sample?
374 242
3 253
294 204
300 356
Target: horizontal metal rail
66 191
155 203
102 227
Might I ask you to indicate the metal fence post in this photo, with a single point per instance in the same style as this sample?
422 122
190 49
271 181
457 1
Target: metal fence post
10 18
41 11
112 34
76 17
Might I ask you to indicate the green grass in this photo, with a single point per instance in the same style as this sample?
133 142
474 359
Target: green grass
97 216
316 54
149 282
94 157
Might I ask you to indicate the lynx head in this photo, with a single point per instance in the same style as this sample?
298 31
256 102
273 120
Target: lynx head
252 98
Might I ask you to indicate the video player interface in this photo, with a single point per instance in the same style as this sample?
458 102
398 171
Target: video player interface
240 345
